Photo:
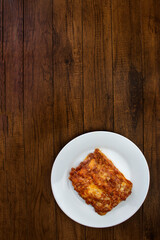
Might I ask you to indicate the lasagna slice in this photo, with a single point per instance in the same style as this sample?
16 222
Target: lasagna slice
100 183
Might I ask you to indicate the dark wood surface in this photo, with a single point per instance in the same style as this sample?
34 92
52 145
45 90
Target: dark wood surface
69 67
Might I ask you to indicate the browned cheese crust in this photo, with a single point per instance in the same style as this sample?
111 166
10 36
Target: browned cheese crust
100 183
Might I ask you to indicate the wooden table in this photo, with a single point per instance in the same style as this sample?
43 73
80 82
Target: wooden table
69 67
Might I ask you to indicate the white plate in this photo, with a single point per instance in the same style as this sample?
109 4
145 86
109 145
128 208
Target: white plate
125 155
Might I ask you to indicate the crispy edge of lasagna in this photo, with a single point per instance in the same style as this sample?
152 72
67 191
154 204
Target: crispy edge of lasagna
100 183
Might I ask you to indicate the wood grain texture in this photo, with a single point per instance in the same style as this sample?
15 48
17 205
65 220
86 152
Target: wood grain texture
3 196
128 89
1 30
3 119
151 67
14 158
68 91
97 65
38 118
69 67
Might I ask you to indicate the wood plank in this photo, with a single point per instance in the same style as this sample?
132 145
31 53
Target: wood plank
4 207
2 96
97 65
68 91
128 90
97 72
1 30
151 63
15 217
3 118
38 118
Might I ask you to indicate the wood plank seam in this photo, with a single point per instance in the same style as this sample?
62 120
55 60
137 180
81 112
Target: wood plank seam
55 217
142 99
82 83
3 85
25 170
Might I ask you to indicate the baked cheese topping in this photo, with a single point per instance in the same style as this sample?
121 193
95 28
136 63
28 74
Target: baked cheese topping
100 183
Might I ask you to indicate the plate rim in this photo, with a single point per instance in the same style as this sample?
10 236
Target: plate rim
97 132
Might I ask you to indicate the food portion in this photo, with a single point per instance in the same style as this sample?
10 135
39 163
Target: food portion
100 183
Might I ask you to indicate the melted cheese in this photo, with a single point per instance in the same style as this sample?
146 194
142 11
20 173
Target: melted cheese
100 183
